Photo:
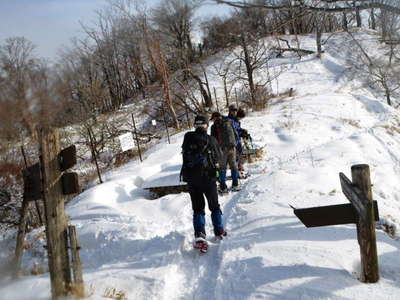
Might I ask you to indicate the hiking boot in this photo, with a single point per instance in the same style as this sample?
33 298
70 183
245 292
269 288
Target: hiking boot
221 234
201 243
236 188
243 174
223 189
200 235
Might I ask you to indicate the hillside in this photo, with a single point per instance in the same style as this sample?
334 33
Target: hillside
143 248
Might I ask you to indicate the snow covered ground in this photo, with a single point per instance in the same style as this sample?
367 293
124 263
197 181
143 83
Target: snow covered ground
143 248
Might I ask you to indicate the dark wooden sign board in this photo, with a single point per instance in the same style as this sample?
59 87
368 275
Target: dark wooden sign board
70 183
32 183
330 215
67 158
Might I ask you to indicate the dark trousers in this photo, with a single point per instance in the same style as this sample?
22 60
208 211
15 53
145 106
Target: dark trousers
197 190
204 187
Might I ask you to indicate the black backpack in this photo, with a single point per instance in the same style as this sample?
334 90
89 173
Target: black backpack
198 159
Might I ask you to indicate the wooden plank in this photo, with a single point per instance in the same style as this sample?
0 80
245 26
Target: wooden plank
360 175
354 195
70 183
67 158
32 183
158 192
330 215
56 223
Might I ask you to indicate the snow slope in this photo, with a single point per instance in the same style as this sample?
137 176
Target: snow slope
143 247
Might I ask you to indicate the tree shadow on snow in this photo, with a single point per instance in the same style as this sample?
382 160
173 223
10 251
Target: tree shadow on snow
254 275
294 231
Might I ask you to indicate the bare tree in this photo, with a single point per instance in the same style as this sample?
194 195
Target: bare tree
158 60
382 73
253 54
17 64
224 70
174 21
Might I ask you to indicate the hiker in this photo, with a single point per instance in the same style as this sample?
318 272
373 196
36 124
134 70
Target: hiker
243 134
201 158
232 115
222 130
235 123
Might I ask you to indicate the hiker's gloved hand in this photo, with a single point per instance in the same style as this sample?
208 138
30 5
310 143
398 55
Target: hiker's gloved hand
244 133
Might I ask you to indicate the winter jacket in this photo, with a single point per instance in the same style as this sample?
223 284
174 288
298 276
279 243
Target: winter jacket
212 156
236 128
223 132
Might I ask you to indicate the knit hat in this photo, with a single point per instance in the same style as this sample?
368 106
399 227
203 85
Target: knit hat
232 107
200 120
215 115
241 113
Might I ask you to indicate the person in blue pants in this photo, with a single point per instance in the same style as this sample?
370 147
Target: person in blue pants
201 157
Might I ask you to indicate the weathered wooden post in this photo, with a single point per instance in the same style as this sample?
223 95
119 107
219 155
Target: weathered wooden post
236 98
165 123
360 175
56 223
187 116
32 192
216 101
137 138
76 262
94 155
36 200
21 235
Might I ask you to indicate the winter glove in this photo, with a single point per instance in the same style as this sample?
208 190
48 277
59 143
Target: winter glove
244 133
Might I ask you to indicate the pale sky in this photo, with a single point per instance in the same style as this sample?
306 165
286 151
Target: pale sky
50 24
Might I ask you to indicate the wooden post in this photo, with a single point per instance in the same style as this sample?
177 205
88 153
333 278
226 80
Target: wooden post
24 156
21 235
187 117
56 223
94 155
36 203
137 138
165 123
216 101
366 227
76 262
236 98
249 158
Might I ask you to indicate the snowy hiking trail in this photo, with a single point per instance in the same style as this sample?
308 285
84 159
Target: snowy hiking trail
144 247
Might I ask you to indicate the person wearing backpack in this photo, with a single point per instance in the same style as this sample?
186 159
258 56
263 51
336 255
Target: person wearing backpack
201 158
223 132
243 134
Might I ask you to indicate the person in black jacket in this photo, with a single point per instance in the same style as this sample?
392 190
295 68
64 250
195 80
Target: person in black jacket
201 159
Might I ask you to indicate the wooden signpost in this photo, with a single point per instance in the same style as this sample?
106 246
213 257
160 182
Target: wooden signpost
56 222
362 211
47 180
